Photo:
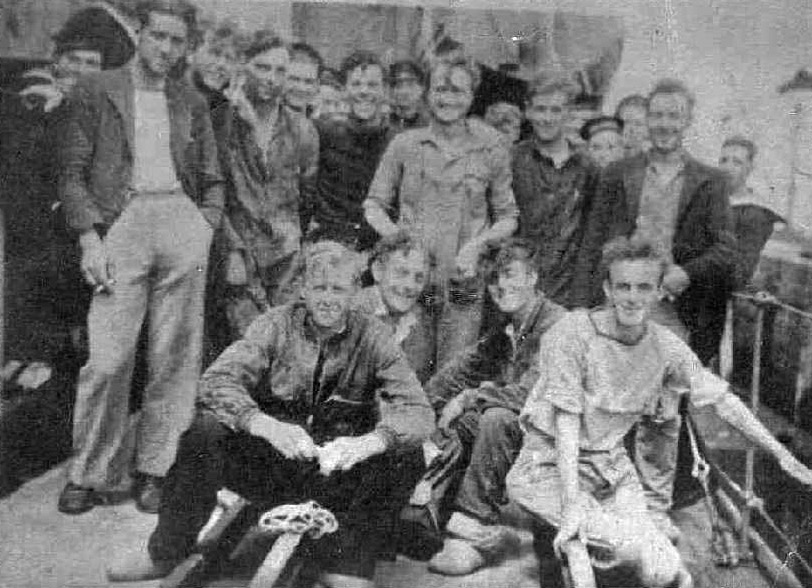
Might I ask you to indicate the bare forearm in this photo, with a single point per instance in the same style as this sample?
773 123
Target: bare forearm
378 219
567 442
501 229
733 411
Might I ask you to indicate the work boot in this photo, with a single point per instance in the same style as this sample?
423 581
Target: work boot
457 558
138 567
471 545
148 493
76 499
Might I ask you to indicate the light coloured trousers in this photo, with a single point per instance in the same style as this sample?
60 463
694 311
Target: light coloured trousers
157 252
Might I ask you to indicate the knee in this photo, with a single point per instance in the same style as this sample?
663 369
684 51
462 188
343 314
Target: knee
657 560
204 432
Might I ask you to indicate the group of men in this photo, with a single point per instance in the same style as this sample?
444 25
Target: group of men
386 300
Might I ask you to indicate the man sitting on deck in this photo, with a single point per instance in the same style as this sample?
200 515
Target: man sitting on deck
600 372
312 386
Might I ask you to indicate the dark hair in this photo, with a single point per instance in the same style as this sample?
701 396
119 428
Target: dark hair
632 100
308 52
263 40
330 77
633 248
407 65
399 242
503 253
186 11
550 82
739 141
463 63
362 59
672 86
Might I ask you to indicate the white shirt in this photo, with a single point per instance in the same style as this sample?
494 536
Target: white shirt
153 170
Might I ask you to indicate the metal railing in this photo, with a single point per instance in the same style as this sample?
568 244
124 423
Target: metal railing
750 502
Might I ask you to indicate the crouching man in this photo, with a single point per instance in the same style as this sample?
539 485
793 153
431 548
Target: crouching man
315 402
600 372
479 395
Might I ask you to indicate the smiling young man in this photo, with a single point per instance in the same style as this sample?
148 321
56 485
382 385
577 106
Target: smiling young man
316 402
553 183
349 154
600 372
478 396
142 189
450 185
270 163
303 78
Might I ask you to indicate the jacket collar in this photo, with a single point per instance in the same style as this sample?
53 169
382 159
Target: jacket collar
693 176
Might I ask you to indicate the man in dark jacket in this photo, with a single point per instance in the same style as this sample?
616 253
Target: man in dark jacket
318 402
142 189
478 396
671 198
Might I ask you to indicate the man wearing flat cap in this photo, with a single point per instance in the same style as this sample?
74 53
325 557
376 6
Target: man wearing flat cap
604 139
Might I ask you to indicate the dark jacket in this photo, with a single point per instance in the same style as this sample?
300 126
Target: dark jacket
703 244
97 152
502 372
354 382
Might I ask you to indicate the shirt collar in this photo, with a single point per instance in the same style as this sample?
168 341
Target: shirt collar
657 167
402 324
575 156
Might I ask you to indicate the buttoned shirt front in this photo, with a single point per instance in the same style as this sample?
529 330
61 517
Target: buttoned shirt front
445 195
659 202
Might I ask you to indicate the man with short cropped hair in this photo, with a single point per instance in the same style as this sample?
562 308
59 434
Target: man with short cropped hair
600 372
554 185
478 396
141 187
407 81
319 400
303 78
349 154
633 111
449 185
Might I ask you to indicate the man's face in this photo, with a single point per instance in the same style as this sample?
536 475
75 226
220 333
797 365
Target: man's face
303 84
365 91
267 75
635 126
407 93
215 62
514 287
332 105
668 118
605 147
735 162
327 294
401 279
70 65
632 289
450 94
163 42
548 113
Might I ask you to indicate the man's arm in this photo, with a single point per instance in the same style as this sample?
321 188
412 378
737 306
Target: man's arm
383 191
308 174
210 181
568 428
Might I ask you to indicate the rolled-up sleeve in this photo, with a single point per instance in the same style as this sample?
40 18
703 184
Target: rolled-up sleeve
225 388
383 190
405 417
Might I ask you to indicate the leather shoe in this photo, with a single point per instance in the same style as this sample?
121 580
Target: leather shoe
148 494
75 499
458 558
138 567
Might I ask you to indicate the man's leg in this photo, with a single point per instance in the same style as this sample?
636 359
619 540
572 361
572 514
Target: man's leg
474 534
458 323
655 457
182 239
101 413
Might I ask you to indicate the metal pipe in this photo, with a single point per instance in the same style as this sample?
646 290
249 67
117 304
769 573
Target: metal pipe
755 389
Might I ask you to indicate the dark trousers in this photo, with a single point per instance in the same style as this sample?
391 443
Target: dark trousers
365 500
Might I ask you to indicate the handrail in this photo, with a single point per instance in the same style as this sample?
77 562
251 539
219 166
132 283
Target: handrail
761 300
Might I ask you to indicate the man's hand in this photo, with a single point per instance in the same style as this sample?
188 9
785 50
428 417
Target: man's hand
95 265
236 272
796 469
344 453
51 95
571 527
468 258
452 411
292 441
676 280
